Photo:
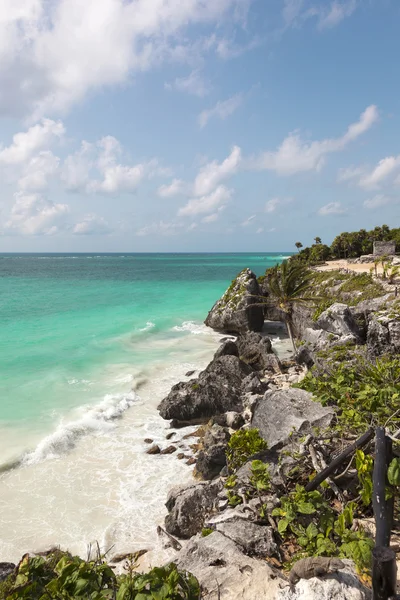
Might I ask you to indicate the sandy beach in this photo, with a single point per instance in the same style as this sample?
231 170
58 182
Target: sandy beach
332 265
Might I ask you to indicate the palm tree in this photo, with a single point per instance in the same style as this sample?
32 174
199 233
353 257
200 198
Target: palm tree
298 245
289 284
318 240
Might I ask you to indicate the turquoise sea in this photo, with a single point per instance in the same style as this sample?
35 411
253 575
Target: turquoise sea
89 344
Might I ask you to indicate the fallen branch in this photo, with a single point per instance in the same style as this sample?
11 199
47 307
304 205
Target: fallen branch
320 477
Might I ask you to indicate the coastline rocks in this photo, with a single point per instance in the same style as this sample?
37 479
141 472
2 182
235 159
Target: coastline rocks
281 412
383 335
6 568
256 351
225 572
338 320
239 309
217 390
154 450
253 539
228 348
252 384
189 506
212 458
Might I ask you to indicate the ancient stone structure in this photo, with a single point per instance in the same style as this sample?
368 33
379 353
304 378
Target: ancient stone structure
382 248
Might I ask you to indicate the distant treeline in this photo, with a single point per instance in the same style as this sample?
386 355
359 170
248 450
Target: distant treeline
347 245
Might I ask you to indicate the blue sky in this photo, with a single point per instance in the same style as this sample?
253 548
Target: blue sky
191 125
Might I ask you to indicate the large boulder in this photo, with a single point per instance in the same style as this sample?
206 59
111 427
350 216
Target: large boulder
212 457
253 539
240 309
338 320
215 391
383 335
188 507
279 413
225 573
256 351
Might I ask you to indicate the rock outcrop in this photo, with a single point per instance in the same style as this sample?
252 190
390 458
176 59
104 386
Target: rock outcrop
281 412
239 309
215 391
225 572
383 335
339 321
188 507
212 458
256 351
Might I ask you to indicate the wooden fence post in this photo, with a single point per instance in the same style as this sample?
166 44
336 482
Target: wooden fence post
384 570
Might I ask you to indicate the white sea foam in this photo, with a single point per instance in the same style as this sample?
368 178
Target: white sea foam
94 419
191 327
149 325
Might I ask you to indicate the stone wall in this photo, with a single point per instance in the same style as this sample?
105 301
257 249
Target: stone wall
381 248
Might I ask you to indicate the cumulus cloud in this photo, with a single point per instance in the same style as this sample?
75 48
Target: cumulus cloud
295 155
207 203
214 173
222 110
272 205
176 187
38 171
53 53
333 208
211 218
194 84
377 201
371 178
26 143
92 224
33 214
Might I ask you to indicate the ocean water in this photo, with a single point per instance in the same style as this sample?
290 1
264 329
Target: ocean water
89 345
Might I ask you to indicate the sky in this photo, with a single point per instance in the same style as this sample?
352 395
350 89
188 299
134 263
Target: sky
196 125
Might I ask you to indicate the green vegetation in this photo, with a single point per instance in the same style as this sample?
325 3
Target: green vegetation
258 484
242 446
364 466
61 576
308 521
365 393
348 245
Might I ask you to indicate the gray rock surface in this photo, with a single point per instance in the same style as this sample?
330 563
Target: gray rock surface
254 349
188 507
338 320
212 458
228 348
252 384
383 335
225 573
253 539
215 391
281 412
239 309
6 568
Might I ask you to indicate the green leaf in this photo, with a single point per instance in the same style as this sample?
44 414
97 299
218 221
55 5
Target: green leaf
305 508
283 525
312 531
394 472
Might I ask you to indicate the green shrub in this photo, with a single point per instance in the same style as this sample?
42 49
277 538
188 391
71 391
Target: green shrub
242 446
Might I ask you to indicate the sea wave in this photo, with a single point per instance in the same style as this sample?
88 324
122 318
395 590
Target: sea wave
192 327
149 325
93 419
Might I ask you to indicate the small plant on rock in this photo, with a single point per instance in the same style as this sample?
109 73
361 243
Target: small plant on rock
242 446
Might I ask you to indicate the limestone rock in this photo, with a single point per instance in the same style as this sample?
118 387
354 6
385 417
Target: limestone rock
6 568
189 506
383 335
252 384
154 449
169 450
343 585
228 348
281 412
212 457
239 309
225 573
215 391
253 539
338 320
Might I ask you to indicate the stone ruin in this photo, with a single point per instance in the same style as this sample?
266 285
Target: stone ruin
384 248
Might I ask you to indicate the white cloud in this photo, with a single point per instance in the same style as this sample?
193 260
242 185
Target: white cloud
215 200
176 187
337 12
38 171
248 221
294 155
211 218
272 205
333 208
260 230
194 84
76 168
377 201
92 225
222 110
160 228
213 173
27 143
53 53
32 214
371 179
